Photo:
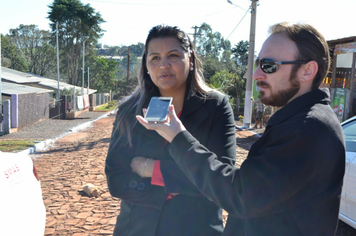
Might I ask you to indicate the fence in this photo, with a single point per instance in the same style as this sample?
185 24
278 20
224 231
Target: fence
100 99
86 101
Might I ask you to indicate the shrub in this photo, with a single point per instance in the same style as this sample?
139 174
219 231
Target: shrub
112 103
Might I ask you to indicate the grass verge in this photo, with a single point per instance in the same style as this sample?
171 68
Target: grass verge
15 145
108 107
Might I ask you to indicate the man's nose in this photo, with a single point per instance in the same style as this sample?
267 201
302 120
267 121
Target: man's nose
258 74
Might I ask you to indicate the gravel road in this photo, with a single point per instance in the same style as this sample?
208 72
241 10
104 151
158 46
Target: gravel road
55 128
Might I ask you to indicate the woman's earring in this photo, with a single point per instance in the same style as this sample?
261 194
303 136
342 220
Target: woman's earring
148 72
191 68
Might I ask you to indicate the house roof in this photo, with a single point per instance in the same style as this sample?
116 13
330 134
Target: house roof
53 84
18 77
334 42
12 88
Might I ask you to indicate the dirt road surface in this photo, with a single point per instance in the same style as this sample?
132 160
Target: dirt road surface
78 159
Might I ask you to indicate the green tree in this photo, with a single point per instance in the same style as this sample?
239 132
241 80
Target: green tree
125 85
211 43
240 52
77 23
35 46
113 51
213 65
227 63
231 84
134 65
69 92
124 88
11 56
224 68
137 49
240 55
103 74
214 50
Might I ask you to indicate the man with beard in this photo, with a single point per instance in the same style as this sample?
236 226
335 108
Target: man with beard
290 183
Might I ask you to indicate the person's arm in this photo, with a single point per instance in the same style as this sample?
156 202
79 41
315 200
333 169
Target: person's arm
125 184
221 140
280 175
272 179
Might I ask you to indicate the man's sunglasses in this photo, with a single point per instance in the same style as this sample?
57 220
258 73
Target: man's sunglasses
269 66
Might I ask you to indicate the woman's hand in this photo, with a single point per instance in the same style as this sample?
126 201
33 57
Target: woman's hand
143 166
168 129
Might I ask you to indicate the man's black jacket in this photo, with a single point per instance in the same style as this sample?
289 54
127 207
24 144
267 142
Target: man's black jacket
290 183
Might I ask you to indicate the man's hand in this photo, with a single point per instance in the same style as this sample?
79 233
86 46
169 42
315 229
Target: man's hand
168 129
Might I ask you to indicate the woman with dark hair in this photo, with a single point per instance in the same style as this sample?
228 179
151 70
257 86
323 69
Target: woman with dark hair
157 198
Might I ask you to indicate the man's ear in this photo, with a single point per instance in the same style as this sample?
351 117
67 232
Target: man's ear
309 71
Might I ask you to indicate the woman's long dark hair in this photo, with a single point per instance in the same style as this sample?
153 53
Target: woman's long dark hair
125 119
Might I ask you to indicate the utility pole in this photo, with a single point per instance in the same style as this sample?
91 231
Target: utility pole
128 69
251 57
83 69
88 82
117 79
195 35
59 91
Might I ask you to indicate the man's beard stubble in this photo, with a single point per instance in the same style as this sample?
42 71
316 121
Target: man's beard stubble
281 98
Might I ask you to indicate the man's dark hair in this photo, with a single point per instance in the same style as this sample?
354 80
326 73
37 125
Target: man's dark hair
311 45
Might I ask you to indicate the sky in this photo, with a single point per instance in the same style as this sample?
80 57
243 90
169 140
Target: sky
128 21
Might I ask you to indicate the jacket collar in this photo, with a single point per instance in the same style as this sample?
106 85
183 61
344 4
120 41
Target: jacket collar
192 102
306 100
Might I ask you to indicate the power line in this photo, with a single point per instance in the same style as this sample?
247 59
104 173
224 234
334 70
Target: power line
148 4
211 14
236 5
238 23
